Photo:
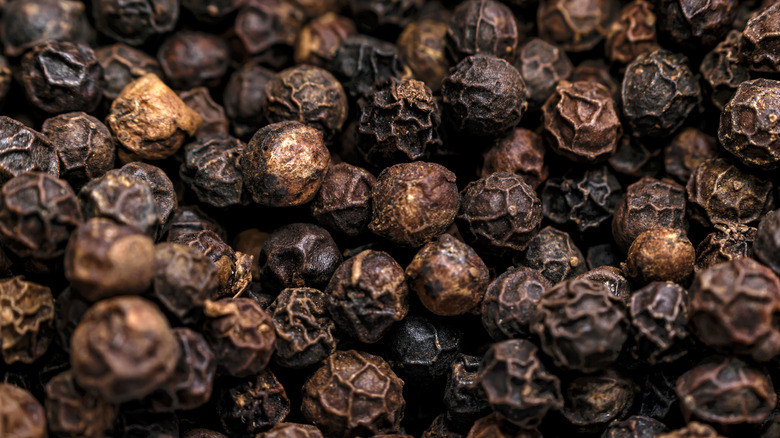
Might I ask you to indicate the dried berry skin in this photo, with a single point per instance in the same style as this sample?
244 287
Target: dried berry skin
253 404
633 33
183 280
658 92
212 169
723 70
686 151
553 253
191 220
26 24
123 64
726 391
613 278
413 203
353 394
517 384
149 120
749 126
422 45
61 77
398 122
720 192
636 158
284 164
305 332
193 59
215 122
233 267
495 426
509 306
362 63
728 242
27 320
306 94
482 26
72 411
594 400
484 96
581 122
635 426
660 254
696 24
521 152
464 400
23 149
104 259
585 198
367 294
135 23
574 26
659 315
734 307
241 334
38 212
421 349
21 415
581 325
499 214
163 192
543 66
448 276
266 30
123 198
343 203
759 41
123 349
244 96
319 39
83 145
384 17
649 203
291 430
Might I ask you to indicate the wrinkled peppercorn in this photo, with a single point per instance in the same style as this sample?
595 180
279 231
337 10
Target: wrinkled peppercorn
31 22
660 254
543 66
728 242
553 253
266 30
693 25
244 96
305 332
211 10
23 149
633 33
659 314
595 70
163 192
635 426
592 401
693 430
421 350
183 280
353 394
320 38
613 278
26 321
212 169
575 27
124 199
482 26
722 70
291 430
21 415
121 65
253 404
343 203
422 45
191 220
193 59
72 411
636 158
757 47
464 399
494 426
686 151
213 114
521 152
362 63
509 306
134 23
233 267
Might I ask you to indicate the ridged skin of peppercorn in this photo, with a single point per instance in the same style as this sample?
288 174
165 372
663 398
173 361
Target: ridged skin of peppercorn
753 143
635 426
729 242
633 32
542 66
659 316
509 306
759 40
695 25
722 70
482 26
590 401
555 255
576 27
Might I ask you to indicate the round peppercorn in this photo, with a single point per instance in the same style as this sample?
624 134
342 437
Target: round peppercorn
421 349
660 254
632 33
213 114
723 70
266 30
580 122
464 400
521 152
734 307
363 63
163 192
517 384
21 415
422 45
413 203
183 280
636 158
509 306
212 169
686 151
581 325
728 242
123 349
134 23
484 96
353 394
448 276
635 426
123 198
696 25
121 65
592 401
23 149
72 411
320 38
553 253
193 59
499 214
659 317
574 26
27 320
284 164
234 269
543 66
758 45
482 26
367 294
250 405
244 96
28 23
305 332
659 91
748 123
495 426
343 203
291 430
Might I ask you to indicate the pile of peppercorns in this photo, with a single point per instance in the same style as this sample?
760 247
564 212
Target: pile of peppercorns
389 218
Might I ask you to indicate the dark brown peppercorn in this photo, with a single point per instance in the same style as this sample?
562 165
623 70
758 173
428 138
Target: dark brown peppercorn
306 94
422 45
632 33
183 280
209 11
123 198
305 332
521 152
284 164
250 405
517 384
695 25
319 39
163 192
212 169
509 306
38 212
363 63
266 30
767 241
193 59
494 426
191 220
72 411
720 192
26 321
636 158
595 70
413 203
686 151
659 91
123 64
464 399
134 23
367 294
758 46
585 198
448 276
748 122
123 349
693 430
659 314
484 96
726 392
353 394
499 214
60 77
31 22
233 267
575 27
613 278
660 254
104 259
728 242
23 149
291 430
21 415
214 120
553 253
83 145
482 26
590 402
723 71
635 426
343 203
735 307
241 334
581 325
580 122
542 66
6 77
244 96
649 204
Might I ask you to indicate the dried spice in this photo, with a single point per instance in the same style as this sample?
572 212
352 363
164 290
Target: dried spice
729 242
758 40
212 169
384 17
509 306
422 45
494 426
244 96
694 26
266 30
659 314
613 278
574 27
686 151
233 267
27 320
72 411
305 332
163 192
464 400
635 426
135 23
592 401
294 430
362 63
123 64
123 198
343 203
28 23
543 66
553 253
22 150
722 70
320 38
184 279
248 406
21 415
521 152
215 122
482 26
660 254
633 33
193 59
421 349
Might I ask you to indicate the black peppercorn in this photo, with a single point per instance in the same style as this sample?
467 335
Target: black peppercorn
542 66
553 253
575 27
482 26
521 152
305 332
695 26
22 149
659 315
253 404
212 169
421 349
343 203
193 59
509 306
723 71
319 39
134 23
244 96
422 45
123 64
633 33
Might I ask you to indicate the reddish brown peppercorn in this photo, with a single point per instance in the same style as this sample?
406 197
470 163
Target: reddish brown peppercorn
72 411
193 59
266 30
509 306
26 320
659 315
21 415
542 66
632 33
318 41
343 203
660 254
521 152
422 45
574 26
482 26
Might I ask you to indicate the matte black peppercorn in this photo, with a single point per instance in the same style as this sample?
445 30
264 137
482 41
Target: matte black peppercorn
464 399
723 71
212 169
266 30
695 25
122 198
553 253
384 17
163 192
123 64
27 322
757 46
233 267
23 149
362 63
71 410
421 349
244 96
253 404
21 414
184 279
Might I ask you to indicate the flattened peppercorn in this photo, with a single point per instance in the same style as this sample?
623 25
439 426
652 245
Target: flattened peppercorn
72 411
421 349
21 415
509 306
137 22
305 332
660 254
212 169
193 59
27 320
521 152
343 203
248 406
23 149
482 26
659 314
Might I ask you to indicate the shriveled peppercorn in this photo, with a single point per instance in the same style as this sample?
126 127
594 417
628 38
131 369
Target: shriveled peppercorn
31 22
633 33
161 186
499 214
575 27
636 158
613 278
26 321
183 280
291 430
248 406
728 242
509 306
343 203
595 70
244 96
319 39
542 66
421 349
23 149
659 314
693 25
123 349
362 63
191 220
635 426
123 64
134 23
757 47
484 95
305 332
693 430
521 152
495 426
266 30
553 253
213 114
422 45
592 401
233 267
212 169
123 198
72 411
193 59
367 294
723 71
686 151
464 399
659 91
21 415
660 254
482 26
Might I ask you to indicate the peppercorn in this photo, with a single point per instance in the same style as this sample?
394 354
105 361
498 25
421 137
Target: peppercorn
212 169
659 314
693 430
213 114
21 414
233 267
420 350
69 308
27 320
244 96
553 253
686 151
72 411
138 422
464 399
542 66
574 27
193 59
595 70
210 11
592 401
494 426
250 405
124 199
509 306
121 65
635 426
287 430
343 203
318 41
183 280
305 332
633 33
442 428
660 254
191 220
520 152
266 30
722 70
636 158
162 189
613 278
728 242
658 398
134 24
422 45
26 24
362 63
482 26
23 149
757 44
603 254
695 26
